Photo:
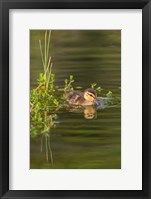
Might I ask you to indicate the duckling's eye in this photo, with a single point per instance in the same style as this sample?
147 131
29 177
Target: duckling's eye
91 95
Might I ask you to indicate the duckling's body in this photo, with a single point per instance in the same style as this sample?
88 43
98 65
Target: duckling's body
84 99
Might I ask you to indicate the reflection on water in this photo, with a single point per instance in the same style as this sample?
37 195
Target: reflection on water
89 137
89 112
45 140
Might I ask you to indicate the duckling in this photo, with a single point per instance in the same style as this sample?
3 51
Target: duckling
86 98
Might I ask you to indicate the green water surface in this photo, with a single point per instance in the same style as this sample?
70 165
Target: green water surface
78 142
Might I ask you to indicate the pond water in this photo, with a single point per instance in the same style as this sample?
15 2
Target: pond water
79 142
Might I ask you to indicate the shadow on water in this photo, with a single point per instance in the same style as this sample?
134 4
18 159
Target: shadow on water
88 137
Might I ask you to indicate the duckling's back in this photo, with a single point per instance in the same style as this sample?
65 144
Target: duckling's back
75 98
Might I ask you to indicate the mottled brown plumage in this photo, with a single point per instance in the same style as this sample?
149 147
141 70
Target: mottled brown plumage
80 98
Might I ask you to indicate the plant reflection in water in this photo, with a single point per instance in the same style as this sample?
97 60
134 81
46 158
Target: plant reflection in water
48 149
49 121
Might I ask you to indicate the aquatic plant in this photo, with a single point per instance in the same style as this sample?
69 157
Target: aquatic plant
109 94
97 89
68 85
112 100
43 95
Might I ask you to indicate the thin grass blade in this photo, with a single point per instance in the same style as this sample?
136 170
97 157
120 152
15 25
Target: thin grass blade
42 57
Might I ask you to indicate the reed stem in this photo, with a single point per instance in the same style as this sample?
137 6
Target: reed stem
46 60
42 57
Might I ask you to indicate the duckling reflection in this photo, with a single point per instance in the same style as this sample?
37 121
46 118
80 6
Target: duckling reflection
88 111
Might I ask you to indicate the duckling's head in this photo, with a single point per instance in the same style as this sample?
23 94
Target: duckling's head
90 95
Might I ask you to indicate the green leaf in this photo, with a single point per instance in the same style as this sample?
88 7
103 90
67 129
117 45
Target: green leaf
66 81
55 102
109 94
93 85
71 77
